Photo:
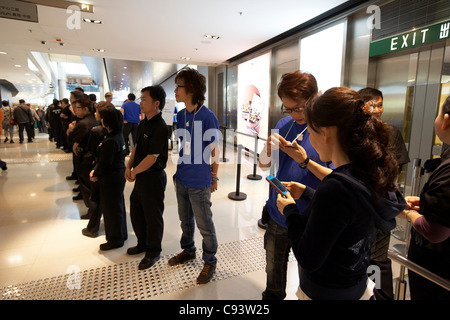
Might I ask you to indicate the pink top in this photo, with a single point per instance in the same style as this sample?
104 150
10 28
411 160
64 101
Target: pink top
433 232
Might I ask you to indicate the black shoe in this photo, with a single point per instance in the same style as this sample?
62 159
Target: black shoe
12 141
110 245
85 216
71 177
6 139
206 274
78 197
88 233
136 250
29 140
77 189
4 167
21 141
147 262
181 258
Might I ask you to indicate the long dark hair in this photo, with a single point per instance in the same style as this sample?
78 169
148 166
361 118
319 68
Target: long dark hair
365 139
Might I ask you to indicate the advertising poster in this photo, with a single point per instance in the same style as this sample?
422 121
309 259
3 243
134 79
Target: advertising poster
253 101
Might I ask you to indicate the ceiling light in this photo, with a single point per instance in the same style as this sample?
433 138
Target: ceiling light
3 52
92 21
210 36
124 67
17 65
99 50
185 58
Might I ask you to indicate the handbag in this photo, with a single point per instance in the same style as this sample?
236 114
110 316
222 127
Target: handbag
11 118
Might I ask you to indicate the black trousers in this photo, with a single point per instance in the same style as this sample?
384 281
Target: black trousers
128 128
84 168
379 257
112 201
146 210
27 127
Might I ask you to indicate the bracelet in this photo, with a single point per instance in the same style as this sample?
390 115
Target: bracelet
214 179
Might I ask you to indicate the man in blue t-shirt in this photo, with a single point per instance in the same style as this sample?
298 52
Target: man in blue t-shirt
196 176
294 90
131 117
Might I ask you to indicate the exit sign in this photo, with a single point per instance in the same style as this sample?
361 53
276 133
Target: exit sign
414 38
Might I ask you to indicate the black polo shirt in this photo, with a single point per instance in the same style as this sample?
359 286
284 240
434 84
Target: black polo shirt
152 138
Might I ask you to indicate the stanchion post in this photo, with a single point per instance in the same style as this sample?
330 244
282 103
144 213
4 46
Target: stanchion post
224 145
237 195
255 176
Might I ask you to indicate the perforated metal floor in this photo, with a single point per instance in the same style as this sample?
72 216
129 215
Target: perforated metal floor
125 282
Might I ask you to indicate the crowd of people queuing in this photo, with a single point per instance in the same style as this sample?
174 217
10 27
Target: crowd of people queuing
337 158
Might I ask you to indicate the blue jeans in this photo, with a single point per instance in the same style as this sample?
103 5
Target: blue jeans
277 245
194 203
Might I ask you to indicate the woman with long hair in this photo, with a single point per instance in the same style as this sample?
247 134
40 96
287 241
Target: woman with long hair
332 238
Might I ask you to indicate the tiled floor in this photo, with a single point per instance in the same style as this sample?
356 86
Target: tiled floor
40 227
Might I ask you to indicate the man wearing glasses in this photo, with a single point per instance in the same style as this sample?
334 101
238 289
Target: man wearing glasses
295 90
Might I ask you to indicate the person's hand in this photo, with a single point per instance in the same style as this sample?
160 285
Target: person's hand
273 142
128 175
282 202
293 150
296 189
91 176
214 186
412 203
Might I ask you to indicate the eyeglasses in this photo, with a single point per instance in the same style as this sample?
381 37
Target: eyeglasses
297 109
287 110
179 86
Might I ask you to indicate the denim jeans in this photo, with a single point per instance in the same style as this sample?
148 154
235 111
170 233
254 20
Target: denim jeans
277 245
194 206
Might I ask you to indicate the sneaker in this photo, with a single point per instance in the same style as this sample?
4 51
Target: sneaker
206 274
181 258
6 139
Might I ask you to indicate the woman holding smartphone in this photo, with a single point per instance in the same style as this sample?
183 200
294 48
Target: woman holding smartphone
332 239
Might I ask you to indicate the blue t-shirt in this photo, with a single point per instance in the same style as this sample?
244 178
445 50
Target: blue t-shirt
288 168
196 130
131 112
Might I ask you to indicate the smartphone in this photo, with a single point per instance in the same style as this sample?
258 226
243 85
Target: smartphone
279 187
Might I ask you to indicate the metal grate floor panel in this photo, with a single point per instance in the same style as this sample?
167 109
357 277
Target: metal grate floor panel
125 282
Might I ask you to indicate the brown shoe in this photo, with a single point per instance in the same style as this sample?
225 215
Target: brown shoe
180 258
206 274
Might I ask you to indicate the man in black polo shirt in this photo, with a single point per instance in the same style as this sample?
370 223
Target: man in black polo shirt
146 167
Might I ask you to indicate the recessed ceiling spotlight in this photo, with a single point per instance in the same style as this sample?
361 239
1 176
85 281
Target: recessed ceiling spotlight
92 21
210 36
185 58
99 50
3 52
17 65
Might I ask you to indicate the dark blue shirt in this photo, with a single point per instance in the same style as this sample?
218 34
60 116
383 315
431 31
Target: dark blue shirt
288 168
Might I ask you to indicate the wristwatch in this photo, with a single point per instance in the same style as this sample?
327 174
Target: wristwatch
304 163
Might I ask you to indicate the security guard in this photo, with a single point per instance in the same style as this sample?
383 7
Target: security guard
83 164
146 167
109 171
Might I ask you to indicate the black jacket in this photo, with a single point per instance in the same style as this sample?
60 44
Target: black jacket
332 239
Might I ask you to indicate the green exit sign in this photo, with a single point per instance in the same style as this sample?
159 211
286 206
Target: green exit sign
411 39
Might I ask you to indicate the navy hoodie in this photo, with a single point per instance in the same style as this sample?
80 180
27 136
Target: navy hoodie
332 239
